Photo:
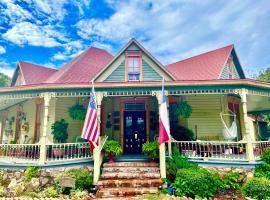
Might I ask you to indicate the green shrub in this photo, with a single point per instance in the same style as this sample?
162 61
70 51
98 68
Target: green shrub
79 194
113 147
193 182
83 178
77 112
177 161
3 192
32 194
151 149
49 192
257 188
30 172
231 181
266 156
262 170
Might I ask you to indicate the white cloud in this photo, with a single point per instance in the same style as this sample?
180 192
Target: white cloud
31 34
2 50
60 56
6 69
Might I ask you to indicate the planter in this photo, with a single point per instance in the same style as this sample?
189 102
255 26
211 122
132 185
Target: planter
111 158
58 152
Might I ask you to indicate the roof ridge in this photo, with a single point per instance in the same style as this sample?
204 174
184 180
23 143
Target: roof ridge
37 65
192 57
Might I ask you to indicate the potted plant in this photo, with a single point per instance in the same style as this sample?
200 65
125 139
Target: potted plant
60 134
112 148
77 112
151 150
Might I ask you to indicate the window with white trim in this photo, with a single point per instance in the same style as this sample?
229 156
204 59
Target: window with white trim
133 68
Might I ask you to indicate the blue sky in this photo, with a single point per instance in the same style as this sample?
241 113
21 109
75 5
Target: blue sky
52 32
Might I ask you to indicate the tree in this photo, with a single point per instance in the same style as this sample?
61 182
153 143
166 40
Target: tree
264 75
4 80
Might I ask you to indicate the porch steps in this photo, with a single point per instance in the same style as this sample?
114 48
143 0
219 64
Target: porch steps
128 179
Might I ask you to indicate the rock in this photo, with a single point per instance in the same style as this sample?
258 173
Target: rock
44 181
34 183
17 175
12 185
250 175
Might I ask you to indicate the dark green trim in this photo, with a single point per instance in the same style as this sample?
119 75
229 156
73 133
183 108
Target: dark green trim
238 65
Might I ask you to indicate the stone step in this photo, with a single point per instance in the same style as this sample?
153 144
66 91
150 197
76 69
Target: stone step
129 183
130 164
128 175
131 169
125 191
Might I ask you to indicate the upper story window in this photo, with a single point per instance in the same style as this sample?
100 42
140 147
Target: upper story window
133 67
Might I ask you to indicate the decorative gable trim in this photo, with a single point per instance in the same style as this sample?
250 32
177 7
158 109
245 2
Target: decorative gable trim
121 53
18 71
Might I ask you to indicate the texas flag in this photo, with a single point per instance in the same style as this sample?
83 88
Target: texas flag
164 126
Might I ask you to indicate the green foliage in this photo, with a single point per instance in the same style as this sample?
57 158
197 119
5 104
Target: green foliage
83 178
3 192
193 182
4 80
181 133
49 192
264 75
151 149
182 109
77 112
78 194
231 181
12 142
266 156
262 170
30 172
257 188
59 131
176 162
32 194
112 147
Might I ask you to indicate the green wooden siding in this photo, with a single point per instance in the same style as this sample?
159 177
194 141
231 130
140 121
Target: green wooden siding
225 74
148 73
118 75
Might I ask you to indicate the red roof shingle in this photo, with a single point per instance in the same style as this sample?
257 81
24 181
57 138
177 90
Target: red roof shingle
35 74
206 66
82 68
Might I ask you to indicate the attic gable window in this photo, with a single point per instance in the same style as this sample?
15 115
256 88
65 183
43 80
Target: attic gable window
133 67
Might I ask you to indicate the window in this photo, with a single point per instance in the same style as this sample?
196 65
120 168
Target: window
133 68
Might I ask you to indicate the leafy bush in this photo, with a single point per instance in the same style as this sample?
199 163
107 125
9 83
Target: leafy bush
30 172
79 194
151 149
193 182
83 178
266 156
59 131
32 194
262 170
77 112
49 192
231 181
257 188
177 161
181 133
113 147
3 192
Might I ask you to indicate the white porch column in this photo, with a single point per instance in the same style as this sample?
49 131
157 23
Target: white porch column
162 147
247 132
43 139
97 151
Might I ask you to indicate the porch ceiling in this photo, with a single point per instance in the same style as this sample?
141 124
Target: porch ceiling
10 102
258 103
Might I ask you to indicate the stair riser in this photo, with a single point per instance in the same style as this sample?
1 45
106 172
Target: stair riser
121 193
129 183
130 164
131 169
130 176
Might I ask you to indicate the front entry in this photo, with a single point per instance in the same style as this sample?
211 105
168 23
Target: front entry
134 131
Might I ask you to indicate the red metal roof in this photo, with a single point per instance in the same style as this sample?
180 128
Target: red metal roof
82 68
35 74
206 66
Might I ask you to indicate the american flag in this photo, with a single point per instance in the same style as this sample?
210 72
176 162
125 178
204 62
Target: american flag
90 130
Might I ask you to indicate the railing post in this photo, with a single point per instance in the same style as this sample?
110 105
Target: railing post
43 139
248 137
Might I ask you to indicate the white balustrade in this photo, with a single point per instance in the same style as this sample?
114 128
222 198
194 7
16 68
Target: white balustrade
259 147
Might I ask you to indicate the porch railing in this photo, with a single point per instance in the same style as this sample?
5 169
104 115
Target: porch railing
20 153
68 151
214 150
259 147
